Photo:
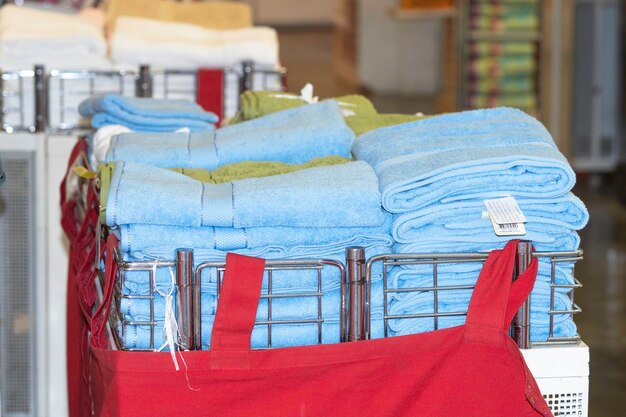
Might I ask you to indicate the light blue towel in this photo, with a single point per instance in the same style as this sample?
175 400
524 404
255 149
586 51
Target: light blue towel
343 195
458 301
137 237
146 114
301 308
465 218
466 273
283 335
137 282
293 136
473 154
459 226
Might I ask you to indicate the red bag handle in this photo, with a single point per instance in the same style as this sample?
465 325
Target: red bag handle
101 314
496 298
238 303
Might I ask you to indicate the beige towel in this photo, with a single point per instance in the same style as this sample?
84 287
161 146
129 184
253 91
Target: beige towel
211 15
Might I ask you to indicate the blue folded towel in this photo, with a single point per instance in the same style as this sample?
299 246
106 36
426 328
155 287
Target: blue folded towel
283 335
466 273
473 154
137 237
343 195
454 301
137 282
547 219
300 308
293 136
146 114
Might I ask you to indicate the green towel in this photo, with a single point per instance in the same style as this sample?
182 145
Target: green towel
359 112
505 23
260 103
225 173
484 48
363 124
526 102
503 66
503 85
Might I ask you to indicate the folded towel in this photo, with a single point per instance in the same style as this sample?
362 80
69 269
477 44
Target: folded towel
137 237
483 48
314 197
292 136
509 65
549 226
161 44
283 335
503 85
211 15
466 273
458 156
455 301
255 104
138 282
225 173
361 124
30 34
101 142
523 100
146 114
287 308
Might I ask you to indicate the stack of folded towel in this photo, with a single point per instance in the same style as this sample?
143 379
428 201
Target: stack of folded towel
503 73
161 44
146 114
292 136
280 186
358 112
434 177
307 213
54 38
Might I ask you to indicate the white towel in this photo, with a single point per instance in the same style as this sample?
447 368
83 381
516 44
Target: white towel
29 33
160 44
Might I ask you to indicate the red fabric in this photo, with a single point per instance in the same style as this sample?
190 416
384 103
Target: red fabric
210 90
470 370
81 269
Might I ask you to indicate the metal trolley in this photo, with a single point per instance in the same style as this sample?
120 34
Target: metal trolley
37 100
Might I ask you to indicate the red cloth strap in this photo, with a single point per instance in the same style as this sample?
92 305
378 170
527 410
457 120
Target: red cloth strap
210 90
496 299
101 315
238 303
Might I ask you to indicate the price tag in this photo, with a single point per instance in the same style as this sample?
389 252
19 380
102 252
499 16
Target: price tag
506 216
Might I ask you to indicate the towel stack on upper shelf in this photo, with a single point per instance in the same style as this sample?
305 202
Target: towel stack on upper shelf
502 69
435 175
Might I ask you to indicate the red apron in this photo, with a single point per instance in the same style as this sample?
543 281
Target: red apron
470 370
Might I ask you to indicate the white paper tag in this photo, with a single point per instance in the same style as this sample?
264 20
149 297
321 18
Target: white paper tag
506 216
505 210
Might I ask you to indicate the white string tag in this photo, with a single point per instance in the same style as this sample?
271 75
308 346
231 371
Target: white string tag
170 326
306 95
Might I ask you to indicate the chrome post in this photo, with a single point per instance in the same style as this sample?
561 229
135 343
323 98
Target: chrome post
184 297
247 69
521 323
355 262
1 100
143 86
40 98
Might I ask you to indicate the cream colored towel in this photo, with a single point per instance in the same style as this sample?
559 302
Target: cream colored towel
211 15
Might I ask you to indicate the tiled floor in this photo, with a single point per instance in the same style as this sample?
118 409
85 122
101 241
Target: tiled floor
307 55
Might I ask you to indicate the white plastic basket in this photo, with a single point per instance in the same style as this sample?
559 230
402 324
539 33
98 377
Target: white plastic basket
562 373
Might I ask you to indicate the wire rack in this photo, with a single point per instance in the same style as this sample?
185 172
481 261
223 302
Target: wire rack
38 100
520 329
188 295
